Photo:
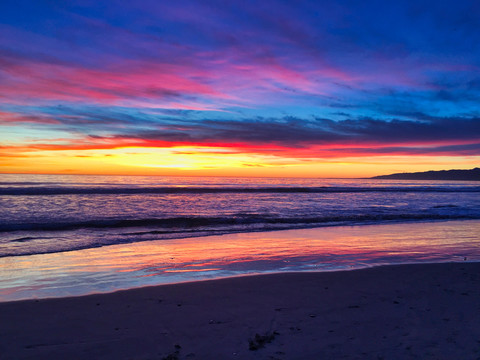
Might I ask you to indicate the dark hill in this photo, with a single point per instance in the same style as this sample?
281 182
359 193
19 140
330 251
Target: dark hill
468 175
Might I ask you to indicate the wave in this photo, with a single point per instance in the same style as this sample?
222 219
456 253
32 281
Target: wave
186 223
40 191
29 238
82 241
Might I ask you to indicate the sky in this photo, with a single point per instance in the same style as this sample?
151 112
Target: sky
239 88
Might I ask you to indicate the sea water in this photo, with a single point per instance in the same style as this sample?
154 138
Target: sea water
56 213
101 233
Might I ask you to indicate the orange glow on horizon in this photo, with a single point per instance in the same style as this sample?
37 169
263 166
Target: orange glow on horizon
216 161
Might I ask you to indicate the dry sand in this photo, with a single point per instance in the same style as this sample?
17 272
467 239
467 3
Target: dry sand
429 311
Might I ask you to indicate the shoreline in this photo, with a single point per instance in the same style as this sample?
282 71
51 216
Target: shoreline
254 231
394 312
157 262
241 276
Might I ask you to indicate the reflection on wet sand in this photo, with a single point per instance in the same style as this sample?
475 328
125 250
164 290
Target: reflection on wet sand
168 261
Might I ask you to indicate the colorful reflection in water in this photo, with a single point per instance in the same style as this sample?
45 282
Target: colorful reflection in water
117 267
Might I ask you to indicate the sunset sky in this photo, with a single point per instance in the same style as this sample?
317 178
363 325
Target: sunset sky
241 88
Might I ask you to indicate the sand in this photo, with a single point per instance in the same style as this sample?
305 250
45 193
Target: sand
428 311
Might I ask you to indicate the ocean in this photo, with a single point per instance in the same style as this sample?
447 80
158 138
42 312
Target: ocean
46 219
55 213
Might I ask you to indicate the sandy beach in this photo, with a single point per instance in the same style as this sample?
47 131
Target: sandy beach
427 311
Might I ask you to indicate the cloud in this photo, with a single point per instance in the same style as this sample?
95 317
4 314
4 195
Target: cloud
305 79
302 137
236 55
40 81
292 131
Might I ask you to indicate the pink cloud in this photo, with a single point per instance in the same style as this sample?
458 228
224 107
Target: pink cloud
227 78
11 118
41 81
230 77
302 152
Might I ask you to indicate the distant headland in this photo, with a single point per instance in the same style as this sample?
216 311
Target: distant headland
459 175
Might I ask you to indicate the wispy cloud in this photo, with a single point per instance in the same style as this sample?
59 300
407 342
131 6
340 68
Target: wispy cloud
303 79
312 137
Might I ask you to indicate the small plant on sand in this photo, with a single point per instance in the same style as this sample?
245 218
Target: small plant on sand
259 341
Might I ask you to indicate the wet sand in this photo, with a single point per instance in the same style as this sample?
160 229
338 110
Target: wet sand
159 262
428 311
